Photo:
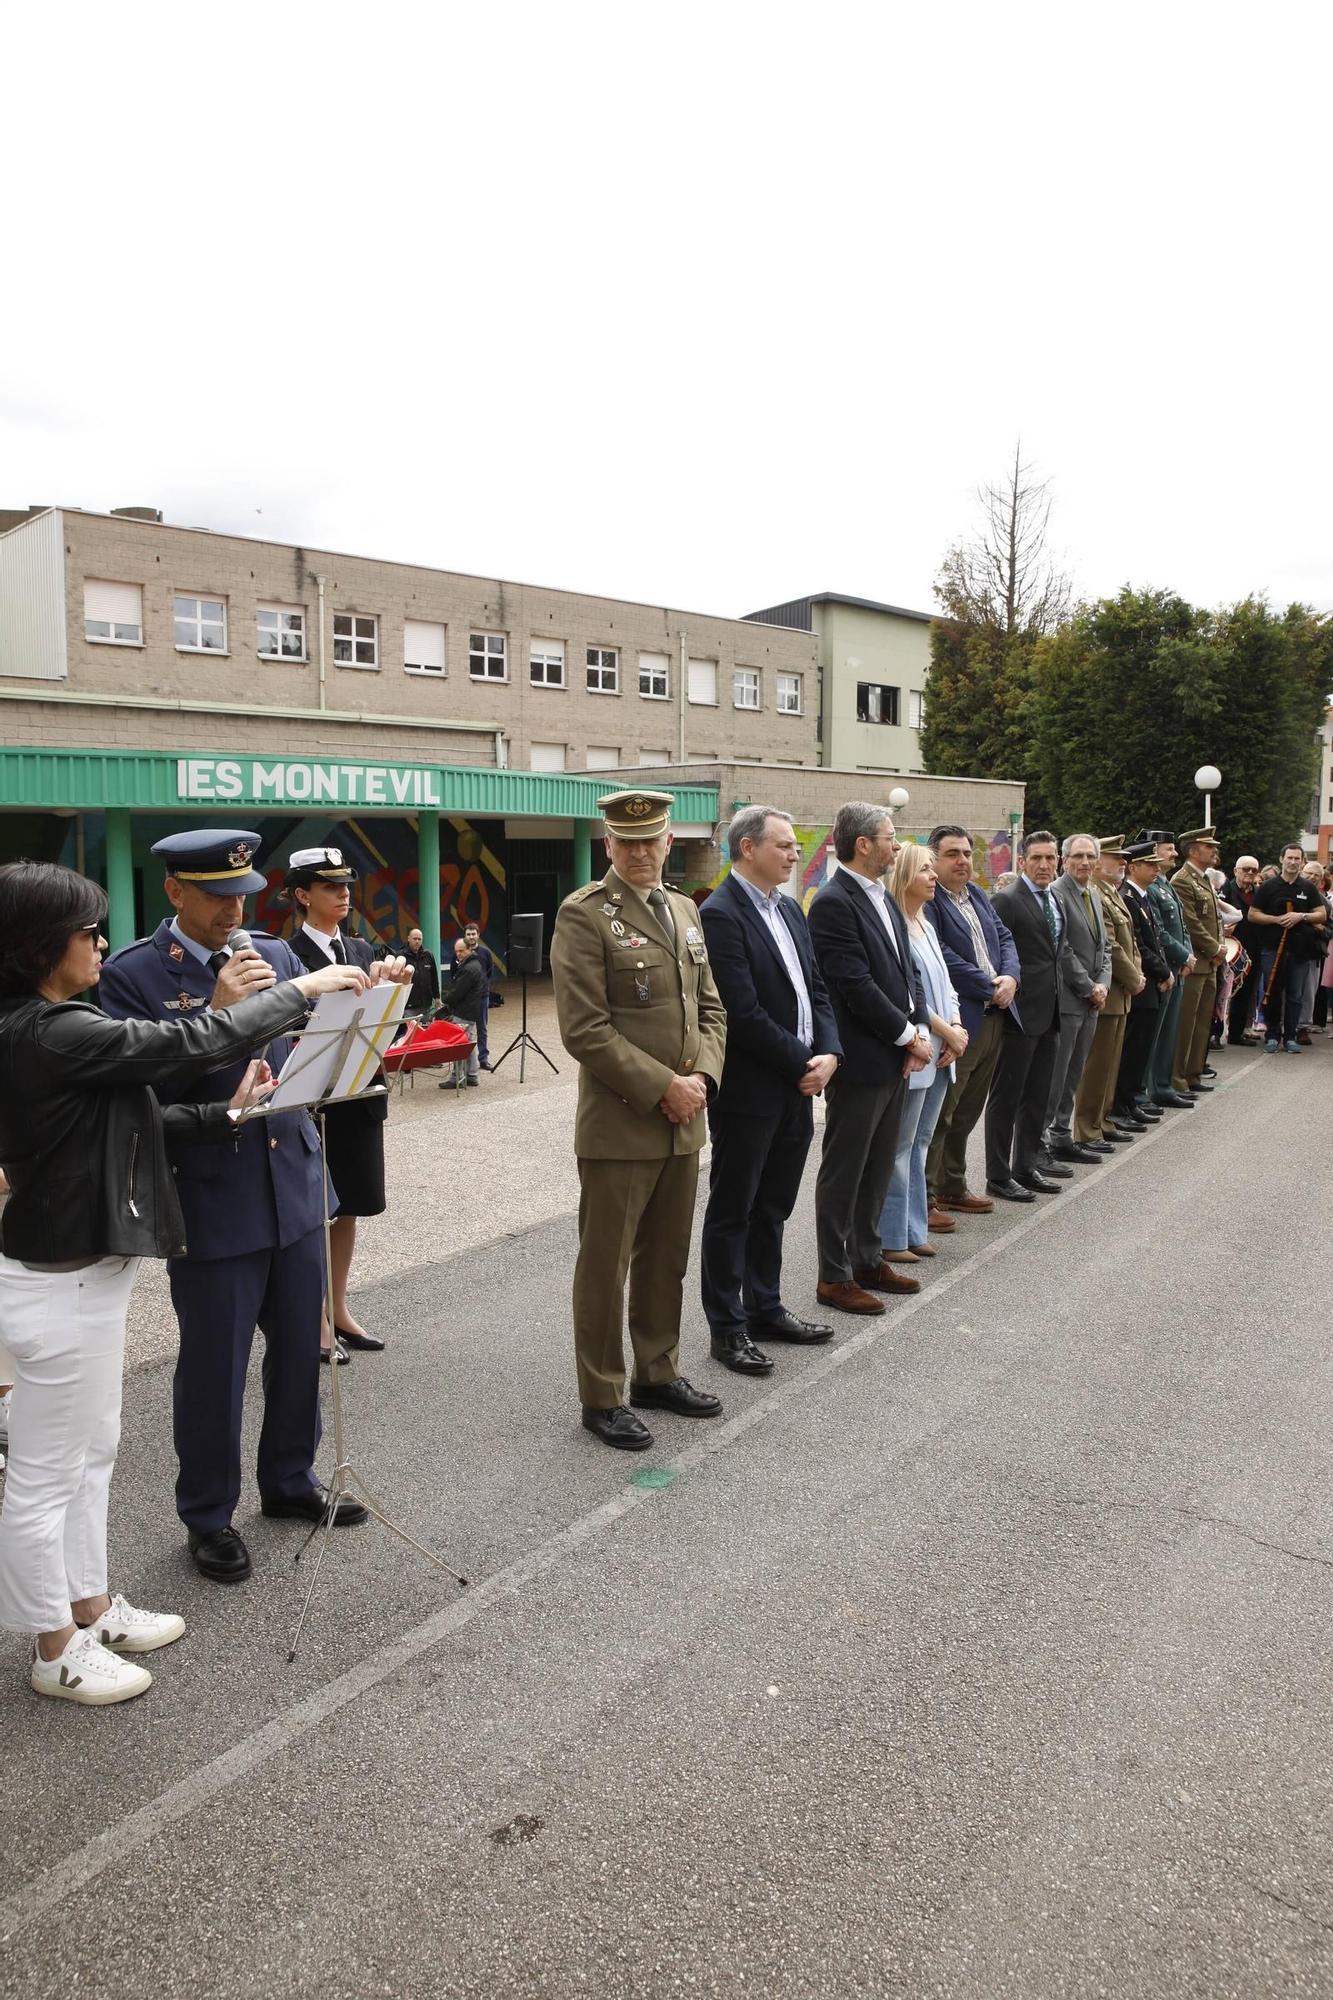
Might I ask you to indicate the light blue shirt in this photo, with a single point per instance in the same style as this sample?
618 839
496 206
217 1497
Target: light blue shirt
767 906
1053 901
199 951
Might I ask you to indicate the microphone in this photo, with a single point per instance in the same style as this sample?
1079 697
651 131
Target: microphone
237 940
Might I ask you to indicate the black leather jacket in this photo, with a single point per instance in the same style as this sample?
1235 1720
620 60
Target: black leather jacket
82 1136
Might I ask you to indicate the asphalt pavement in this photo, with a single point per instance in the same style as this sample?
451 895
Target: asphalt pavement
982 1653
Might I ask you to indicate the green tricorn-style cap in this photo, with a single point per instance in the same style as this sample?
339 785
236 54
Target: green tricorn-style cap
636 815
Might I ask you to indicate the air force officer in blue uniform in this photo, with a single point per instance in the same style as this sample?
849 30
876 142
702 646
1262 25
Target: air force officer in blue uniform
253 1215
782 1048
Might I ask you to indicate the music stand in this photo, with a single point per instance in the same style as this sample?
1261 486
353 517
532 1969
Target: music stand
523 1041
329 1051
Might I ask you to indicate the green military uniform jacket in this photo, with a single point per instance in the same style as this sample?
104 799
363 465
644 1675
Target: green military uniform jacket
1171 917
1202 921
634 1012
1126 965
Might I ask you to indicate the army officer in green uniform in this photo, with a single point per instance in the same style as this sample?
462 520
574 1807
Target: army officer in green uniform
1198 900
640 1014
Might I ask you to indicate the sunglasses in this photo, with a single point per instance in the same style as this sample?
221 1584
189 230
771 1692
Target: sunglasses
89 930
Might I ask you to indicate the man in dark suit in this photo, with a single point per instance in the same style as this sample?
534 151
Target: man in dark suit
984 968
782 1050
253 1217
1141 1027
864 953
1016 1113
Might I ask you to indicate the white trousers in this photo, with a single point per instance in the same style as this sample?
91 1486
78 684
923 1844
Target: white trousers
66 1333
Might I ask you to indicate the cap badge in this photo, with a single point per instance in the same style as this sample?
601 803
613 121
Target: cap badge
333 856
239 856
636 808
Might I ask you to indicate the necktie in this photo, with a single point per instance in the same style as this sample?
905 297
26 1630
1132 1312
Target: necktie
661 909
1092 920
217 961
339 950
1048 912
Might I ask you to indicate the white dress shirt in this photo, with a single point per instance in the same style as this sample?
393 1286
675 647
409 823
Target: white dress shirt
879 896
772 917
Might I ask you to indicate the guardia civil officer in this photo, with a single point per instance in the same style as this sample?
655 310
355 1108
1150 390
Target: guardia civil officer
319 882
253 1215
640 1014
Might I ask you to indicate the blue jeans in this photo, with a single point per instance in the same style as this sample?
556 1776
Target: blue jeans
904 1217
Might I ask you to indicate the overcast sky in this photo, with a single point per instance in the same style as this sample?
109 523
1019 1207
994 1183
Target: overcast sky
705 305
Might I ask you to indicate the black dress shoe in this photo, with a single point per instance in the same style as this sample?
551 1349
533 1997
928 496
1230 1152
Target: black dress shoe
313 1505
1124 1121
326 1354
220 1555
786 1326
1048 1165
1039 1183
1009 1191
738 1352
371 1342
1099 1146
1147 1109
680 1396
484 1065
1197 1089
618 1427
1206 1071
1117 1138
1078 1155
1174 1100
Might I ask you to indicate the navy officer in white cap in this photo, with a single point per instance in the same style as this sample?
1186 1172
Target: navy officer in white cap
253 1213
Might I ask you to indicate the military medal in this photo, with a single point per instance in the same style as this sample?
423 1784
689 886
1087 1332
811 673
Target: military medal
617 928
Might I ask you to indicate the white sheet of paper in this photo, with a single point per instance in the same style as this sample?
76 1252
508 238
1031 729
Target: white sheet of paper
313 1070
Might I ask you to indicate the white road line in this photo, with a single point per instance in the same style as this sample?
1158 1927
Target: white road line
115 1843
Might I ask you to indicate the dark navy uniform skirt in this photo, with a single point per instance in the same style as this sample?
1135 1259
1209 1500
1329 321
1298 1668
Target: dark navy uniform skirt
355 1134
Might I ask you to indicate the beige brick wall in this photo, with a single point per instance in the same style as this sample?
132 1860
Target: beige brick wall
57 725
166 560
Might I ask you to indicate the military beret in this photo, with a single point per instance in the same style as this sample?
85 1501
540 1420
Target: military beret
636 815
215 858
1205 835
317 864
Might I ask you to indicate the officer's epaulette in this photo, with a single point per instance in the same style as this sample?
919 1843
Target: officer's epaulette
582 895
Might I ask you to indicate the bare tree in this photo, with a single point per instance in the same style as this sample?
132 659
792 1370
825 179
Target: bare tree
1004 577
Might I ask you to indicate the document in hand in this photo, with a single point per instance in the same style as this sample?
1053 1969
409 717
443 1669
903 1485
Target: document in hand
342 1046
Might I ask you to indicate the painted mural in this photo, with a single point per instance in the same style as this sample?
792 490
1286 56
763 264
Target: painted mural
993 855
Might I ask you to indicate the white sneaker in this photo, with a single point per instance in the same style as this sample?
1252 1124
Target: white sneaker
86 1672
123 1629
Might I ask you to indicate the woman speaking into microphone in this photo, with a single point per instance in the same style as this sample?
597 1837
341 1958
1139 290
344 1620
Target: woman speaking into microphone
82 1143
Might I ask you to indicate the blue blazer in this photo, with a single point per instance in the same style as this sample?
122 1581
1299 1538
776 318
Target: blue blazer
764 1060
244 1194
970 983
876 992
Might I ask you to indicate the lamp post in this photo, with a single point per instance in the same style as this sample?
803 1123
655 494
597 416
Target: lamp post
1206 780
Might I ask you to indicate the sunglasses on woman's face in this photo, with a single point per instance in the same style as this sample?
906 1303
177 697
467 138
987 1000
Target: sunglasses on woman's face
89 930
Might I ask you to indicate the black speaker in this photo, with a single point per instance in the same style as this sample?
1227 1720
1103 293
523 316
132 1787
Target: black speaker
525 944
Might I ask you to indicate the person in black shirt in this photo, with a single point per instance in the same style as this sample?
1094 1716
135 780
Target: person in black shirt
461 1003
1289 915
1239 890
425 989
485 959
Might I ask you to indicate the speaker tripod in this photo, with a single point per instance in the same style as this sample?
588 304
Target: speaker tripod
523 1041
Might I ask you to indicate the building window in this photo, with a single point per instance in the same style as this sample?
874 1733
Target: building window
279 634
916 709
356 641
546 663
546 757
701 684
654 678
654 757
745 688
423 647
789 694
603 670
488 657
876 703
113 613
201 625
603 758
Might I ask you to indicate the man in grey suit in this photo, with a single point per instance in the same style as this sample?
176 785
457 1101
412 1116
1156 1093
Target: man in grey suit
1085 980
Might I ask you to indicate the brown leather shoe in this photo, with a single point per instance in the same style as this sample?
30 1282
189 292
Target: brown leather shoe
848 1299
966 1204
885 1279
942 1224
904 1256
924 1250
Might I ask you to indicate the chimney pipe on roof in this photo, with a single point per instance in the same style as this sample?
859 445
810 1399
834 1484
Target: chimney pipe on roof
137 513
